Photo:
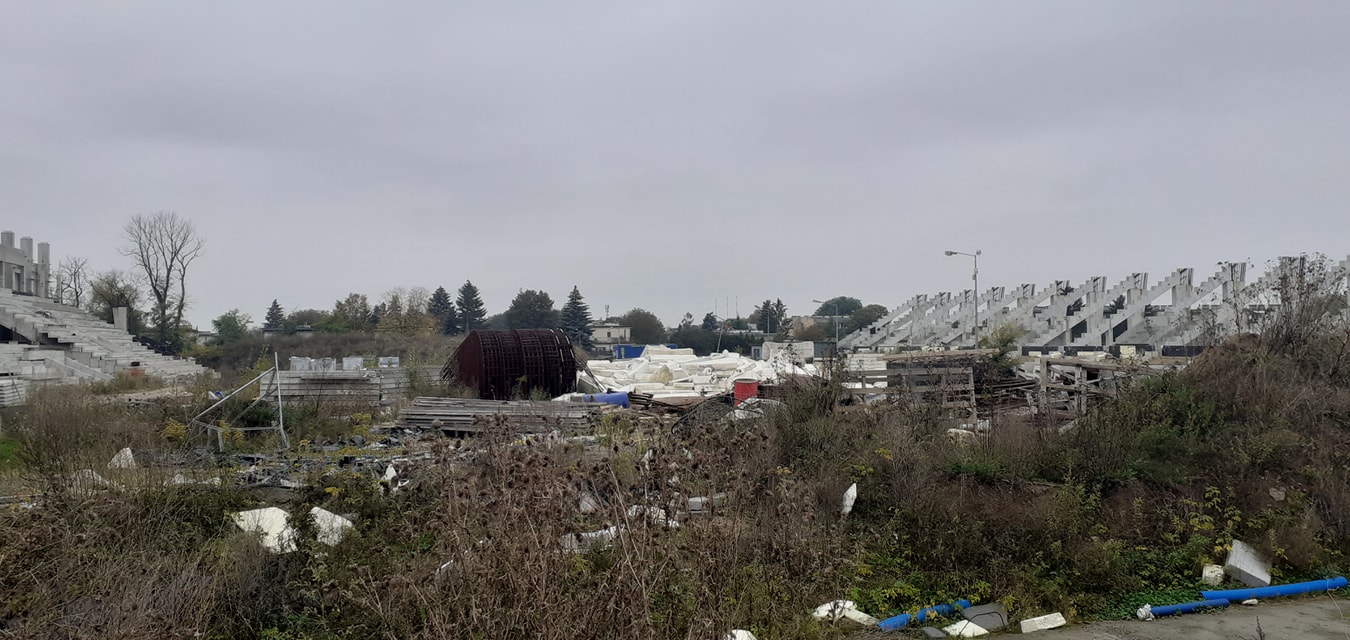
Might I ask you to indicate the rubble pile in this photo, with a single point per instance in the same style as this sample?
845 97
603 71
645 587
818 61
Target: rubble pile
663 372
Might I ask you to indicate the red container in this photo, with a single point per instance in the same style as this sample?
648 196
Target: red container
743 390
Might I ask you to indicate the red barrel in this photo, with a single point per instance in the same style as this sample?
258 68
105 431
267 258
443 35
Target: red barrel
743 390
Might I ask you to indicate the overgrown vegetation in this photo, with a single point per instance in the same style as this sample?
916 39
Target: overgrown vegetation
1248 443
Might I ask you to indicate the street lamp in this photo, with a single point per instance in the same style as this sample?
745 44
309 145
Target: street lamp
836 320
974 276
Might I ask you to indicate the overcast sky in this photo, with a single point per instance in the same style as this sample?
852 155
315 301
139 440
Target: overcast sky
669 154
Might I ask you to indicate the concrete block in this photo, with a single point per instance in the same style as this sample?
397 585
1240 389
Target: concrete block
992 616
1041 623
930 632
1247 566
330 526
1212 575
965 629
123 460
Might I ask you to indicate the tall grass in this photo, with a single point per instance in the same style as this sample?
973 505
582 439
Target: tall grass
1091 522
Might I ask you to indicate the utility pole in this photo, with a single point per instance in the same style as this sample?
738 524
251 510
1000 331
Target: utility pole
974 276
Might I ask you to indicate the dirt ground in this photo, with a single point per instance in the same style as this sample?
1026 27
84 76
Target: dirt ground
1320 617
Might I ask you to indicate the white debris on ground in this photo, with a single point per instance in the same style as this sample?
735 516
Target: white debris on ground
331 526
850 496
278 536
848 609
581 541
663 372
740 634
752 408
123 460
88 480
965 629
180 479
1052 621
654 515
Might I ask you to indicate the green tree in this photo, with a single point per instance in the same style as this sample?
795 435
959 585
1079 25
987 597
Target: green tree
275 317
112 289
231 326
576 320
839 306
305 318
710 322
443 310
472 313
350 314
645 327
769 316
864 317
440 304
450 324
531 310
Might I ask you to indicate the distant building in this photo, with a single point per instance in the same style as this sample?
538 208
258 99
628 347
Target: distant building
25 272
611 334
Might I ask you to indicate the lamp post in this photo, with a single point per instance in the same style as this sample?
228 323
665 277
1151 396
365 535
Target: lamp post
975 277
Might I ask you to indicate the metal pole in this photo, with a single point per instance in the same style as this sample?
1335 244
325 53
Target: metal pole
281 413
975 275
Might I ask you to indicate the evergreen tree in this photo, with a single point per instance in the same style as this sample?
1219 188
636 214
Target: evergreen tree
471 310
450 325
531 310
275 316
439 305
576 320
780 316
710 322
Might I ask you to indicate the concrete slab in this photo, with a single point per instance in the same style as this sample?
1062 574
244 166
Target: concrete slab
1247 566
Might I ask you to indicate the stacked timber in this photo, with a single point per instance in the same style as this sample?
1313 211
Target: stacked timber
463 415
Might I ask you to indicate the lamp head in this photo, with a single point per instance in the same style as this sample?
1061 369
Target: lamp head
950 253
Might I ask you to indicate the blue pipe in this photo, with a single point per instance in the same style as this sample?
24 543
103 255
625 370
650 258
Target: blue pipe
1187 607
1238 595
901 621
620 399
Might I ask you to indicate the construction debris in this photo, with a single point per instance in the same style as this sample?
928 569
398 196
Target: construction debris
582 541
1212 575
123 460
272 524
461 415
87 480
838 609
664 372
1247 566
740 634
331 526
850 496
699 505
965 629
277 534
654 515
1041 623
990 617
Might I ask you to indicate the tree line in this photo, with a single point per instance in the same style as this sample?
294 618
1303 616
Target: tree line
162 247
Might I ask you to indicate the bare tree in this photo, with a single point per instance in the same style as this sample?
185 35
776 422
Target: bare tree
72 280
162 246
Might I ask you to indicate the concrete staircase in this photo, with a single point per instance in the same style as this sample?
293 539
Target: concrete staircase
78 345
